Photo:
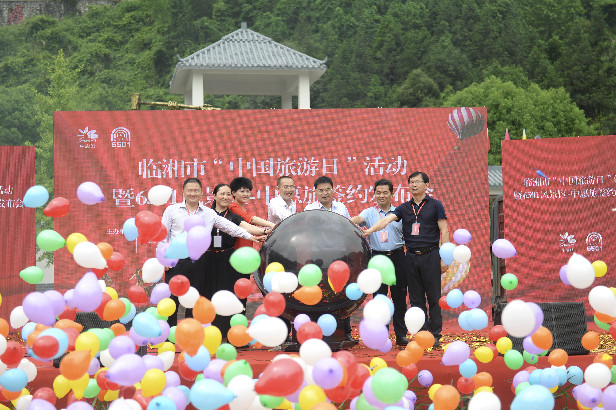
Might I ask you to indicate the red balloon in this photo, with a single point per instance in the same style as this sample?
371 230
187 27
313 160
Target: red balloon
45 393
71 398
137 295
309 330
280 378
101 308
116 262
99 272
346 359
339 393
497 332
465 385
161 235
179 285
186 372
72 334
148 225
242 288
409 371
69 313
260 311
274 303
613 330
57 207
46 347
338 274
143 401
359 377
442 302
127 392
13 354
104 383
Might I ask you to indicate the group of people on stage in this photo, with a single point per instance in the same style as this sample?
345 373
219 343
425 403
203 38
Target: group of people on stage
410 235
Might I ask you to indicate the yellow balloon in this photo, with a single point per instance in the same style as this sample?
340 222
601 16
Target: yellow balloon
274 267
484 354
376 364
286 404
88 341
61 386
79 386
553 389
153 382
503 345
111 395
0 298
24 392
165 307
433 389
166 347
310 396
582 407
600 268
213 338
3 407
111 292
484 388
73 239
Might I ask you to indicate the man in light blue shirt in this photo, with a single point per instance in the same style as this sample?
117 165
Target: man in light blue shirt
388 242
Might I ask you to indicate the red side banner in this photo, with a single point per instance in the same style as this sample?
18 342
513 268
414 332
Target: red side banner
559 196
18 225
128 152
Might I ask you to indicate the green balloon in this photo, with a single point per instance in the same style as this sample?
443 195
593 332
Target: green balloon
604 326
245 260
543 353
104 337
509 281
237 368
32 275
513 359
171 337
530 358
49 240
521 386
92 389
128 306
238 319
384 265
226 352
200 376
270 402
613 374
309 275
388 385
362 404
154 312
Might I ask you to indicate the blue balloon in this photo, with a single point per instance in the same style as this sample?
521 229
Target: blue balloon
146 325
199 361
267 281
386 300
161 403
186 391
327 323
133 311
535 396
575 375
562 376
353 292
534 376
549 378
455 298
477 318
446 252
468 368
35 196
14 380
208 394
130 229
60 336
463 321
27 329
178 249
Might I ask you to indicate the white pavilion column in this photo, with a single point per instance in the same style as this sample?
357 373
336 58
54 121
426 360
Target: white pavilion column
303 94
197 88
287 101
188 96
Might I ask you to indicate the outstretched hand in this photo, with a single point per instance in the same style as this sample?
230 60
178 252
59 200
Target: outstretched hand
260 238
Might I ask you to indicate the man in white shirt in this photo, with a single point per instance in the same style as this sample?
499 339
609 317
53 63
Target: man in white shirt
283 206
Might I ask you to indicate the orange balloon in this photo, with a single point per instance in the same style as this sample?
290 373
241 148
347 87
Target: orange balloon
10 395
189 335
602 317
324 406
114 310
542 338
446 397
204 310
604 358
4 327
224 368
238 335
590 340
106 250
425 339
118 329
482 379
558 357
404 358
309 295
67 323
32 337
415 350
75 364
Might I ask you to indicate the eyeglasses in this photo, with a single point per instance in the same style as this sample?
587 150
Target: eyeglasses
288 187
324 191
415 182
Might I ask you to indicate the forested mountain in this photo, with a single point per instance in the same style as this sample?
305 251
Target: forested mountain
547 66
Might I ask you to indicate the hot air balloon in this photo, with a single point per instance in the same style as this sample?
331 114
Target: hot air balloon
465 122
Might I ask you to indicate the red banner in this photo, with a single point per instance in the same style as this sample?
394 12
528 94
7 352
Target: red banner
128 152
558 198
17 246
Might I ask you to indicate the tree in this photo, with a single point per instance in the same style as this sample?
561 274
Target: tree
418 90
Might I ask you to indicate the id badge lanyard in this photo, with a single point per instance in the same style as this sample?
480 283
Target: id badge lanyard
218 238
415 226
383 234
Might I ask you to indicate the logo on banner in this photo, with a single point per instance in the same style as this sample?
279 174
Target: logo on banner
594 242
120 138
87 138
567 242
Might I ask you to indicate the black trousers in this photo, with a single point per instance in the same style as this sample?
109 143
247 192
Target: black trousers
194 272
425 286
398 291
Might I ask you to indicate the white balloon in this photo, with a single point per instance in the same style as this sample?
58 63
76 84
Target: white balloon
580 271
314 349
256 405
598 375
603 300
102 285
462 254
3 367
308 374
269 331
284 282
244 389
3 344
518 318
189 298
18 317
378 310
227 303
159 194
124 404
167 358
484 400
23 402
152 270
29 368
87 255
414 319
106 358
369 280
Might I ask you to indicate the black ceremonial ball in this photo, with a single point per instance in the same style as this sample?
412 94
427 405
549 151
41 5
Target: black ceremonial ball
318 237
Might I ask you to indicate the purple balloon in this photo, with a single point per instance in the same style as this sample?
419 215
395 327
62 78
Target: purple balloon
462 236
120 346
530 347
80 405
294 398
39 309
127 371
369 395
177 396
164 333
563 275
588 395
521 376
386 347
353 405
373 333
160 292
538 316
89 193
327 373
88 294
212 371
503 249
300 320
609 397
410 396
68 298
198 241
425 378
95 365
153 362
457 353
137 338
161 250
471 299
40 404
173 379
57 301
193 221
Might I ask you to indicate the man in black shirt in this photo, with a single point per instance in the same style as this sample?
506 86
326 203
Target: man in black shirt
424 228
